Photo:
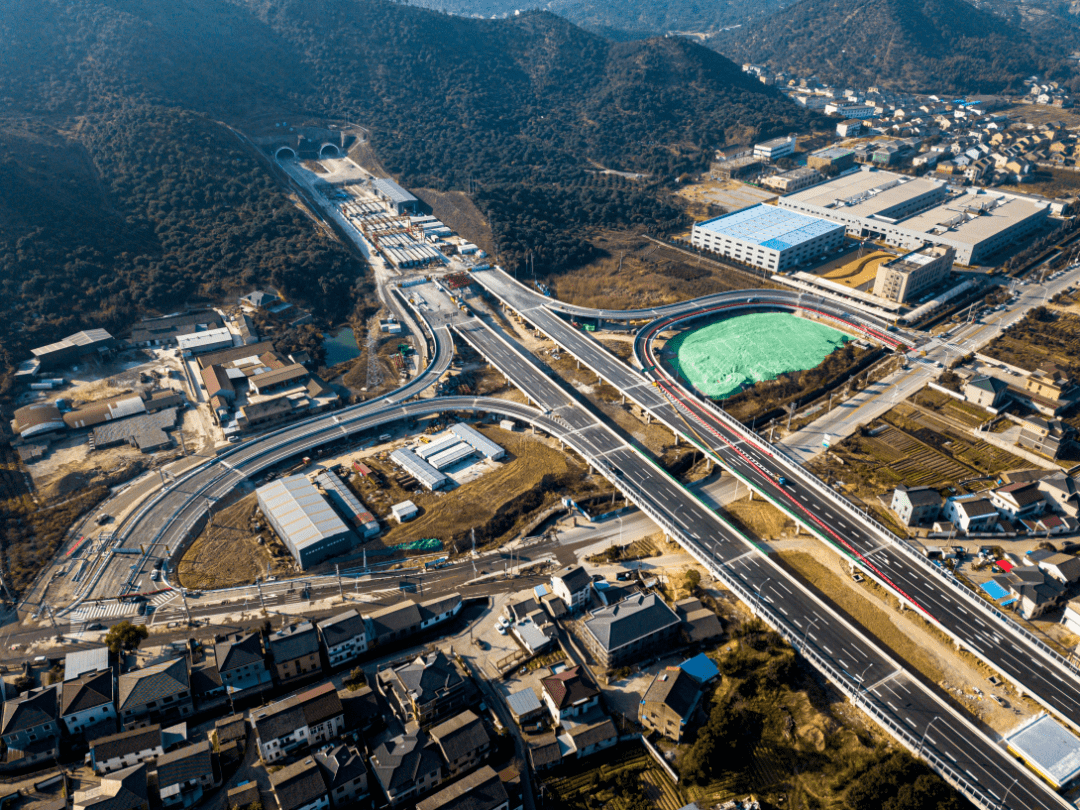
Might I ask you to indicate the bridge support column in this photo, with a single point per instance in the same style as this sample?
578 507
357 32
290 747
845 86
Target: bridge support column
676 438
579 365
648 417
622 400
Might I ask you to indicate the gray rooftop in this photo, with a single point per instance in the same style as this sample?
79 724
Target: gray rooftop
628 621
418 468
300 511
957 220
865 193
524 702
393 191
477 440
92 660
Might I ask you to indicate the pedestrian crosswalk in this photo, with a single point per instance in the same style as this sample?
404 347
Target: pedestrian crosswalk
115 609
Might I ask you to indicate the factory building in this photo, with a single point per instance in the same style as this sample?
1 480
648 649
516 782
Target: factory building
768 237
348 504
427 476
907 276
479 442
877 197
796 179
838 156
73 347
211 340
304 520
909 212
776 148
395 196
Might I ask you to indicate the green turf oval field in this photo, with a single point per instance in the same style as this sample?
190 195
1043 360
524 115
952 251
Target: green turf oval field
720 357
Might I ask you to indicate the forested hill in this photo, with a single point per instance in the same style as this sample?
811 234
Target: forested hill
912 45
629 19
121 193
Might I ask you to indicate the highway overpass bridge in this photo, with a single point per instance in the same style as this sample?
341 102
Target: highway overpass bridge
913 713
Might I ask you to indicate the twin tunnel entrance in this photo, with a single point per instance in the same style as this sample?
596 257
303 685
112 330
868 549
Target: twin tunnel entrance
325 151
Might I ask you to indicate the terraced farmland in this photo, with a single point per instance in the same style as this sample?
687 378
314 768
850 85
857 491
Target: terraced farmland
916 464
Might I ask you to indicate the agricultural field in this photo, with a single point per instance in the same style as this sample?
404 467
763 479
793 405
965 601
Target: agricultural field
1042 336
628 779
966 413
911 446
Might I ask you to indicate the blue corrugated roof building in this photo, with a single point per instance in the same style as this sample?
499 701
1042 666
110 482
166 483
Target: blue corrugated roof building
701 668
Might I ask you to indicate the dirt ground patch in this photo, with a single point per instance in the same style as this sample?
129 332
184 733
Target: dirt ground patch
228 553
853 271
929 653
759 518
460 214
713 197
70 467
638 273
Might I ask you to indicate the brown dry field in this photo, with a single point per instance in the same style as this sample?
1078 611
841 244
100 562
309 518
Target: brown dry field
759 518
227 554
1050 183
638 273
854 272
460 214
449 516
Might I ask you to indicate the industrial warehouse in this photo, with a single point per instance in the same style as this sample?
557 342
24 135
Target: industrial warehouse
306 520
768 237
909 212
427 462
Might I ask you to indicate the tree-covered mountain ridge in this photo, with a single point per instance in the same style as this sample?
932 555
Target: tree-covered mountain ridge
906 45
121 194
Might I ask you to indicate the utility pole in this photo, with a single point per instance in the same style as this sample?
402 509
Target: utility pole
187 610
341 591
262 599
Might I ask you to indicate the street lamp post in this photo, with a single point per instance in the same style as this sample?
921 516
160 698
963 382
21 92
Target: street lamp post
922 742
1007 792
806 632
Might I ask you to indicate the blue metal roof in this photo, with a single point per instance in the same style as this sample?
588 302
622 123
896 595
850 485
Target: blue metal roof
700 667
769 226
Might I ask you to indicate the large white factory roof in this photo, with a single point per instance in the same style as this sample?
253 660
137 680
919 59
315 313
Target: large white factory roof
437 446
419 469
974 216
865 193
300 511
450 456
197 340
392 191
769 226
1051 749
479 442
